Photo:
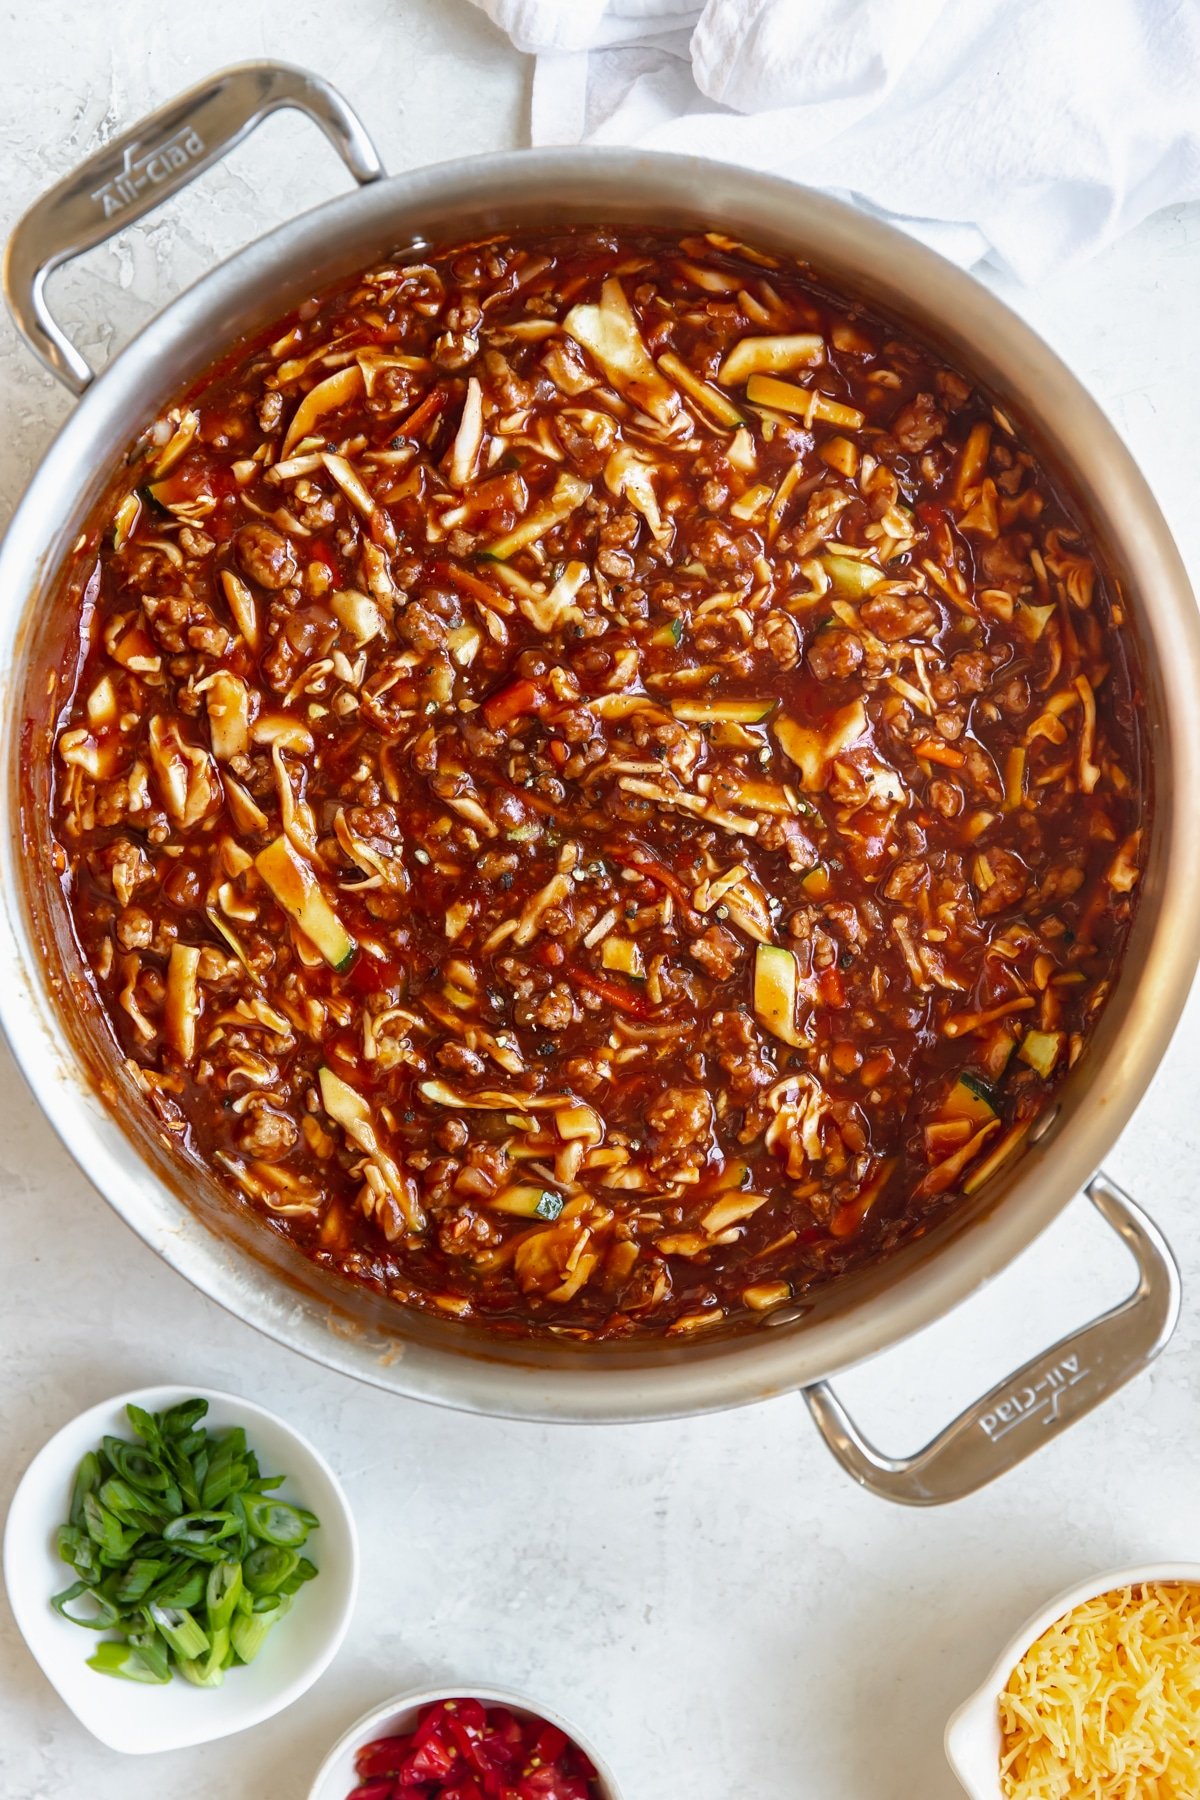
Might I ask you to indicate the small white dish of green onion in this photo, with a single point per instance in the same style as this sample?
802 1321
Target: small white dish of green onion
182 1564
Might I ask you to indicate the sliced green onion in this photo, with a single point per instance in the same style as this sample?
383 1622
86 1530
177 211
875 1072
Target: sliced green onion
304 1571
267 1567
105 1617
179 1420
208 1671
226 1473
185 1636
76 1547
278 1523
184 1586
138 1579
200 1529
133 1509
176 1539
248 1631
136 1466
87 1477
130 1662
222 1592
105 1530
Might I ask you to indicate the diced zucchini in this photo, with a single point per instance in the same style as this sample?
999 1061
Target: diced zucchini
295 886
729 712
568 495
668 637
851 578
776 985
625 955
525 1201
969 1099
753 503
1041 1050
769 355
840 454
708 398
816 882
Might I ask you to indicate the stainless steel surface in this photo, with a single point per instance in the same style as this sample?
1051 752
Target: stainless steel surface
135 172
1033 1405
274 1288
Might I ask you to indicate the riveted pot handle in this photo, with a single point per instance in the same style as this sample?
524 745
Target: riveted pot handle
153 160
1032 1406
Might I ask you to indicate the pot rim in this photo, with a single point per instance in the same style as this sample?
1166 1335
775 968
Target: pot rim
898 275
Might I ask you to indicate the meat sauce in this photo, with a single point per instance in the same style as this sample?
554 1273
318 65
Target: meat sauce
602 788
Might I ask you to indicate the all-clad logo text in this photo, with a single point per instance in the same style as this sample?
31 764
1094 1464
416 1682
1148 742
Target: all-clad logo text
148 169
1039 1397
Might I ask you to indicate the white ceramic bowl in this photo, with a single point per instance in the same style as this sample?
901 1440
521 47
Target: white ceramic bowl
126 1715
336 1777
973 1734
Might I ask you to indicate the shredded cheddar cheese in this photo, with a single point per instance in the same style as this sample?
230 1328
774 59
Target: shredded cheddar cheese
1106 1704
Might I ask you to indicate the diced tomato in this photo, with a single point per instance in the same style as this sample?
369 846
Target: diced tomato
432 1759
831 988
512 701
430 1723
462 1750
551 1784
503 1742
551 1744
383 1757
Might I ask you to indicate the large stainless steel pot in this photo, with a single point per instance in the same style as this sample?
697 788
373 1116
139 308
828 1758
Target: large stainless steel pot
238 1262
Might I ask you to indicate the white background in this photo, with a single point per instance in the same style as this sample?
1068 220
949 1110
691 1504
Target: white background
721 1609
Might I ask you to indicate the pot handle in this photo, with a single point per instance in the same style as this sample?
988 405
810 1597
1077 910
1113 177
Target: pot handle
1032 1406
144 166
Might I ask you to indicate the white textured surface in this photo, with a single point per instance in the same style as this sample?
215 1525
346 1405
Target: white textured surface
719 1606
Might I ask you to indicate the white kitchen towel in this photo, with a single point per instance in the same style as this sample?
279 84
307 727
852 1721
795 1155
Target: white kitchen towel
1034 130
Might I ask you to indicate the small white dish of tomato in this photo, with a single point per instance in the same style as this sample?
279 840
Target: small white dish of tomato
465 1743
